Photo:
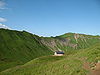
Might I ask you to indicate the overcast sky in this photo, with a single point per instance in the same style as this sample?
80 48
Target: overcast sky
52 17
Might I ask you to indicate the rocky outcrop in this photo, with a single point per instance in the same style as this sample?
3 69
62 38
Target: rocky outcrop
74 41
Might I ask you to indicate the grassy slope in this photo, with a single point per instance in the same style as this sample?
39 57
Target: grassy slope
19 47
70 64
68 42
83 41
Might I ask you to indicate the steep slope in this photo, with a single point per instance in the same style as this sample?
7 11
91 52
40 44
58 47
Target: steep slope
70 41
19 47
80 62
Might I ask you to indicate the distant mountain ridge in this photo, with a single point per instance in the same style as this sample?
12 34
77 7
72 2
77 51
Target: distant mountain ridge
70 41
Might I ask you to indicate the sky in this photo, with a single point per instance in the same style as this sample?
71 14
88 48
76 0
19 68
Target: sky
52 17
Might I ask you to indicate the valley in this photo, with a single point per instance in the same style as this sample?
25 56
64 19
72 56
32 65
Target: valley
24 53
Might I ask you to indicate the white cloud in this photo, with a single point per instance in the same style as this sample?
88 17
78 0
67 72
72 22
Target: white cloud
4 26
3 19
2 5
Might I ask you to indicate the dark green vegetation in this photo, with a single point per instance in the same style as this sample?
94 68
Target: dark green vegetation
22 53
19 47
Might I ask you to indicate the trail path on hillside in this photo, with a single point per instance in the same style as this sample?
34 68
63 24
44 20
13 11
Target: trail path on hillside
95 71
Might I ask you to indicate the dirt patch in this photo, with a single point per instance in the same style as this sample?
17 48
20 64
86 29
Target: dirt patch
93 71
86 66
96 70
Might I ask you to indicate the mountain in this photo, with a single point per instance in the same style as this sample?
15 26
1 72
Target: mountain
20 47
70 41
78 62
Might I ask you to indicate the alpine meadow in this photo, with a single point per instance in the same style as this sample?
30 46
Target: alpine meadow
49 37
26 54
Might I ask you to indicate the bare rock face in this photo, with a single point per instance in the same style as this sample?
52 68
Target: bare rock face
55 44
69 41
58 44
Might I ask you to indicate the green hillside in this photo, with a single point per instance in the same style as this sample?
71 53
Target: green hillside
19 47
72 64
70 41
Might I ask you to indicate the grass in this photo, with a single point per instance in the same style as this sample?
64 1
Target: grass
22 53
71 64
17 48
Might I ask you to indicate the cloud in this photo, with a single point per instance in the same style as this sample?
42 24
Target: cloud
3 19
4 26
2 5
